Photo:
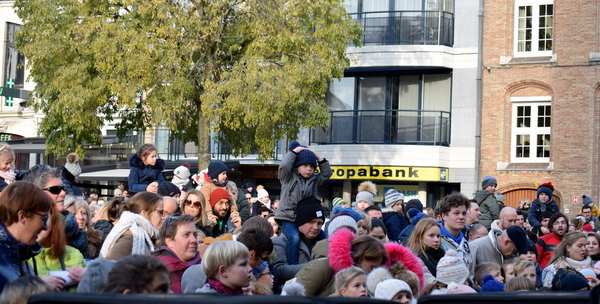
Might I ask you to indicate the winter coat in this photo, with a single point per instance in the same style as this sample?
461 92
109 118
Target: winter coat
140 175
243 207
94 239
75 236
488 205
486 249
394 224
545 248
460 244
207 188
294 187
537 208
103 225
44 263
406 232
13 257
283 270
69 181
175 266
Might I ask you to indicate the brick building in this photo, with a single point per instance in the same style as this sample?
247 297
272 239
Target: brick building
541 98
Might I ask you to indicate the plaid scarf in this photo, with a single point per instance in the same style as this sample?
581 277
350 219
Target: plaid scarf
222 288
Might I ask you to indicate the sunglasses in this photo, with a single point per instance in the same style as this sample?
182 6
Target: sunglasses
196 205
55 189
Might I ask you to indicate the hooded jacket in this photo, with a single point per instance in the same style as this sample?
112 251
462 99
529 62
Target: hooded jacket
394 223
538 207
486 249
140 175
488 205
175 266
13 257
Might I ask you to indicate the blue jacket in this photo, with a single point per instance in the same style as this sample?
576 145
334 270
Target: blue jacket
394 224
140 175
69 181
537 208
13 257
406 232
19 176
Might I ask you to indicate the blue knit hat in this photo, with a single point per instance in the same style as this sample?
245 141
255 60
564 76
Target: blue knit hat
215 168
258 269
531 247
573 282
489 284
355 215
488 180
546 188
587 200
304 157
414 203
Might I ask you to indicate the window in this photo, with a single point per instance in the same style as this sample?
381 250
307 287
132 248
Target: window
534 23
532 117
15 68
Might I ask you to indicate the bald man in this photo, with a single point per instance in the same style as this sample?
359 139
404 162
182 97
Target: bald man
170 205
507 218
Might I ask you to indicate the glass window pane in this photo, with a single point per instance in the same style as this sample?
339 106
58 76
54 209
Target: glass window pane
341 94
436 92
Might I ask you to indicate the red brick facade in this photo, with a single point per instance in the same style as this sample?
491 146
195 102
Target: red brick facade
572 80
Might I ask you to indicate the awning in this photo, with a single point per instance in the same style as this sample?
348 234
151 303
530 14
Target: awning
119 175
28 148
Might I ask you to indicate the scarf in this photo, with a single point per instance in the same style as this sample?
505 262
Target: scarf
457 239
222 288
8 176
142 230
585 263
431 259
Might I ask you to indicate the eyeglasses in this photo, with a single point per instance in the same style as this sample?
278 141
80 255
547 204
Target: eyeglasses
56 189
43 216
196 205
559 223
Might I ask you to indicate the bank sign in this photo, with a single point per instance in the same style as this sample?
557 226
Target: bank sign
415 174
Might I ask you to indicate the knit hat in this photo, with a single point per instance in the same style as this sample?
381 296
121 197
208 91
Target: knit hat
573 282
95 276
340 221
304 156
72 164
518 237
454 288
262 193
389 288
337 201
531 247
597 266
391 197
489 284
168 189
546 188
117 192
488 180
258 269
413 212
587 228
451 268
183 171
500 197
586 200
366 192
414 203
544 215
308 209
215 168
378 223
351 212
588 273
217 195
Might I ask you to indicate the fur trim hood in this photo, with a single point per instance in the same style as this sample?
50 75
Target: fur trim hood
398 253
340 250
135 161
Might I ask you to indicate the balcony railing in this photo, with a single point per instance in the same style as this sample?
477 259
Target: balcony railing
417 127
406 28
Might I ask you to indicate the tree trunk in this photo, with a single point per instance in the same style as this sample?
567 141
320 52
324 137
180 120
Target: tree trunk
203 142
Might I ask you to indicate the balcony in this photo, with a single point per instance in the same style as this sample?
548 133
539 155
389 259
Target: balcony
418 127
406 28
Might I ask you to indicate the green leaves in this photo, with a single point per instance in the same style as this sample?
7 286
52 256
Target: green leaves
253 71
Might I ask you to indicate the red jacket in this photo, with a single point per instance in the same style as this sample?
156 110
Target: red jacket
545 247
175 266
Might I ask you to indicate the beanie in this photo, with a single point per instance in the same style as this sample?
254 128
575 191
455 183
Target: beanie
217 195
336 210
262 193
258 269
489 284
391 197
378 223
168 189
389 288
183 171
488 180
412 212
337 201
454 288
500 197
588 273
215 168
573 282
531 247
72 164
366 192
304 156
597 266
414 203
546 188
545 214
365 196
340 221
587 228
586 200
451 268
308 209
351 212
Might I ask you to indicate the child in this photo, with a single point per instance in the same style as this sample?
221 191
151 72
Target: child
524 268
225 264
364 198
508 268
543 202
151 276
146 168
351 283
19 290
383 286
519 284
531 256
7 171
450 270
488 204
298 181
216 178
486 268
490 284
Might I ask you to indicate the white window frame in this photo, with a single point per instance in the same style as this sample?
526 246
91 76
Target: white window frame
533 130
535 28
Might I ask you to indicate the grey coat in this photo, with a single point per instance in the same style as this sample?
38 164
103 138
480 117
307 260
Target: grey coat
295 187
486 249
282 269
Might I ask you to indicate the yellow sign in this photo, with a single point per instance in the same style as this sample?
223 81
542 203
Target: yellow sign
425 174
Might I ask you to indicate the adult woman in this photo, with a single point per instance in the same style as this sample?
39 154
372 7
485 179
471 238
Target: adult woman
56 255
593 246
271 220
136 229
425 242
108 215
192 204
24 211
79 207
571 252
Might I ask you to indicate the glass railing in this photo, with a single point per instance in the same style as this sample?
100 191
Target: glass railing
406 28
417 127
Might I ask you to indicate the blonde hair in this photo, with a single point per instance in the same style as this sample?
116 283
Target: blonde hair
6 153
79 202
222 253
201 217
484 268
520 266
519 283
415 241
344 277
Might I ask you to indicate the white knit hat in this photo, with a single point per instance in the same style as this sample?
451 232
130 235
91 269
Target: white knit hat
451 268
391 197
262 193
387 289
342 221
72 164
182 172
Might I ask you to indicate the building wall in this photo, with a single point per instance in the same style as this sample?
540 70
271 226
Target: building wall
570 77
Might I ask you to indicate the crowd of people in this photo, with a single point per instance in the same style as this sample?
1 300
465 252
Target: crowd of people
203 234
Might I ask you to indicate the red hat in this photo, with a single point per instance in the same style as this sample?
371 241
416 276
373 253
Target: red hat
217 195
587 228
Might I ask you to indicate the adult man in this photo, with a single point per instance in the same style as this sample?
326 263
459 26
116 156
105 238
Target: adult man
586 211
453 210
220 202
487 201
559 223
260 246
309 220
374 212
179 248
520 219
476 231
275 205
392 215
507 218
472 218
498 245
170 206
